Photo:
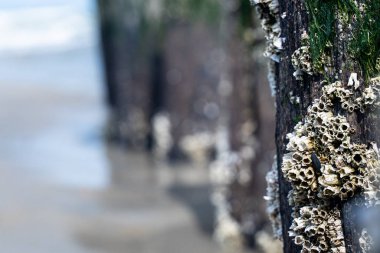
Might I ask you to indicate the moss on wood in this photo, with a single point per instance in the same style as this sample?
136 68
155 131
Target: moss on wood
364 45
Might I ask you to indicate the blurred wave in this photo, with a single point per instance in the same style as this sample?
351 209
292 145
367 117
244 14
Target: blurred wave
41 39
30 27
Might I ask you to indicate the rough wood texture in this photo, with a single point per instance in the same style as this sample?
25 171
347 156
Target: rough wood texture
288 113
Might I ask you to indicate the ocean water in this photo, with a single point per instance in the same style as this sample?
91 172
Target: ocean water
52 109
45 38
30 27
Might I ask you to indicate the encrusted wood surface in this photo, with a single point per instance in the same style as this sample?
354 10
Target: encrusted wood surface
289 114
293 22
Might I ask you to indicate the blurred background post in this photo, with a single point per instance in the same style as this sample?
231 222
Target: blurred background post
135 125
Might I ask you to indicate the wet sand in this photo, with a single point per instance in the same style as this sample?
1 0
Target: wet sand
64 190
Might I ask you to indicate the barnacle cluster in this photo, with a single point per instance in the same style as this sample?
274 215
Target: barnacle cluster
267 244
318 230
346 96
323 164
375 83
198 146
301 58
134 127
301 61
273 200
231 167
270 21
223 172
228 233
365 241
304 63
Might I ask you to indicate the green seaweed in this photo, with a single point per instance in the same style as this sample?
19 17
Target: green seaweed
322 17
323 14
365 43
245 14
297 118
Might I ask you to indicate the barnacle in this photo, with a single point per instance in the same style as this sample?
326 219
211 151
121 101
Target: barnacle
270 22
229 167
318 229
370 95
354 80
294 99
228 233
301 61
223 172
322 164
198 146
365 241
301 58
162 134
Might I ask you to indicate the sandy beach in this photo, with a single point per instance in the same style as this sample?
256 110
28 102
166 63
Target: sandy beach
64 190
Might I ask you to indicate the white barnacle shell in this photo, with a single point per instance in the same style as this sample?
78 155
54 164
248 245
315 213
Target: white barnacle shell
321 228
328 180
324 117
297 157
331 191
339 161
306 160
365 241
323 245
345 171
287 162
353 80
293 174
375 81
311 230
369 96
299 240
338 250
327 169
344 127
298 74
306 212
309 173
277 42
358 158
346 143
345 166
304 143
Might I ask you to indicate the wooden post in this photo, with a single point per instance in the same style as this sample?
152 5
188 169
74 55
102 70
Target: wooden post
316 49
